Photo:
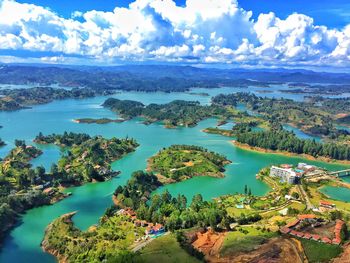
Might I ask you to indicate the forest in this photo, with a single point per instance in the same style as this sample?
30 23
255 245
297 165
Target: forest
88 158
317 116
112 238
175 113
20 185
281 140
16 99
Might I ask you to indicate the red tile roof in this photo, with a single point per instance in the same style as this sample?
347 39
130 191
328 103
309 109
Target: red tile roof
326 203
326 240
307 236
309 216
299 234
315 237
292 224
285 230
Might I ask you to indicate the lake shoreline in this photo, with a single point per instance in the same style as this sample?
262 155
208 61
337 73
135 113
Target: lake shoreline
288 154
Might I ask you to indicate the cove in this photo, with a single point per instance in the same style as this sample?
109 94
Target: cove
337 193
91 200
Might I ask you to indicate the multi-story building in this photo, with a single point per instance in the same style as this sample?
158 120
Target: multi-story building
286 175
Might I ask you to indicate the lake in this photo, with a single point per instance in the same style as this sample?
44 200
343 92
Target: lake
91 200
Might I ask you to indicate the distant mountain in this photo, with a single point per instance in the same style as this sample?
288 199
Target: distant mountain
158 77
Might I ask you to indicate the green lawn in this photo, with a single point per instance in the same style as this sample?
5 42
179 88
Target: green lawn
319 252
165 249
239 242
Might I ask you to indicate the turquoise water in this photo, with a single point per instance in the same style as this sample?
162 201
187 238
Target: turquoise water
91 200
300 134
337 193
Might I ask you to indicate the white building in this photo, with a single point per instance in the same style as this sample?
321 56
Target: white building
285 175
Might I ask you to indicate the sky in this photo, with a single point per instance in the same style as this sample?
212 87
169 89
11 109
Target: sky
239 33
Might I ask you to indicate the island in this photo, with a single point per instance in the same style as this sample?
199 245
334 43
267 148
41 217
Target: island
98 121
16 99
88 158
181 162
173 114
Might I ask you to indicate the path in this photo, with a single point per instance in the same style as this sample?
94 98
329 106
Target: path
145 243
305 197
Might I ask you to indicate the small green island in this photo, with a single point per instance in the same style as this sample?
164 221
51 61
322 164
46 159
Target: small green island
87 158
17 99
98 121
181 162
172 114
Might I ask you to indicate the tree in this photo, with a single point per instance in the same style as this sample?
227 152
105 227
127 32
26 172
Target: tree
20 143
40 171
295 195
245 189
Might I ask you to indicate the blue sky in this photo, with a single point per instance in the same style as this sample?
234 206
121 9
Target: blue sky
288 33
320 10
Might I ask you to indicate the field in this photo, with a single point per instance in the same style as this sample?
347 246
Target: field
238 241
312 250
165 249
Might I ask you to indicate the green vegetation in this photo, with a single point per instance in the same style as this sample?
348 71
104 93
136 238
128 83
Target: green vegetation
173 213
97 121
175 113
245 239
179 162
88 158
108 242
65 140
316 116
20 185
281 140
15 99
165 249
312 250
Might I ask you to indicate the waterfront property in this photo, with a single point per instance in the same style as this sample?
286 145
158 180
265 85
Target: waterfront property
286 175
290 174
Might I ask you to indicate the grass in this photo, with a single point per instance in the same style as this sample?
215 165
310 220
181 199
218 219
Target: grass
301 207
319 252
317 196
166 249
238 241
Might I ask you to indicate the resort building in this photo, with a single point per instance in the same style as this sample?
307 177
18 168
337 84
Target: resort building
306 167
286 175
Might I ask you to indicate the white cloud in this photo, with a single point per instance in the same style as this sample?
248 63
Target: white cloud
204 31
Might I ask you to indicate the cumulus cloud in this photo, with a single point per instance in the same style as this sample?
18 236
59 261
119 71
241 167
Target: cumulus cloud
203 31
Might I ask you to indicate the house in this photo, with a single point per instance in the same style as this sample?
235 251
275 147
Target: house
299 234
154 229
306 167
326 240
327 205
307 236
293 223
315 237
49 191
285 230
